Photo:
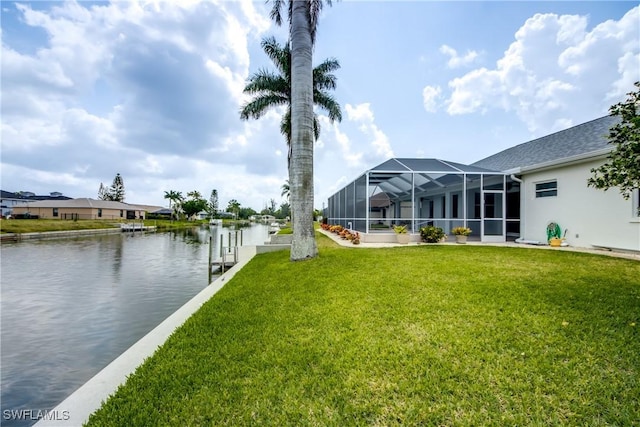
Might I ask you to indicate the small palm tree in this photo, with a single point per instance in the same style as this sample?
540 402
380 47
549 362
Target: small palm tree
176 198
274 90
286 191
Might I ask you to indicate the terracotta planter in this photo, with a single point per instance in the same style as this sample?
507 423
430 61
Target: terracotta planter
403 238
461 239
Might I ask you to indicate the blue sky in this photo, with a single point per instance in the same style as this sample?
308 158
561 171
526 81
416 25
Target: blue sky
152 89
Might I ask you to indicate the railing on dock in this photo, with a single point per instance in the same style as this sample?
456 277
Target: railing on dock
134 226
228 254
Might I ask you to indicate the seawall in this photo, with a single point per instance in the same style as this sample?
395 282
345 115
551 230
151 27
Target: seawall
89 397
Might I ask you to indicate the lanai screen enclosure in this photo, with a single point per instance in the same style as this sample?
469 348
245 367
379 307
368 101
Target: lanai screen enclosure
421 192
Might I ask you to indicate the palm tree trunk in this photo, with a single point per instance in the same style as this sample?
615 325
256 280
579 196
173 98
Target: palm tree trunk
303 245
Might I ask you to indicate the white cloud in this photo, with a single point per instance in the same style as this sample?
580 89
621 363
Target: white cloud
430 97
555 70
363 115
457 61
109 84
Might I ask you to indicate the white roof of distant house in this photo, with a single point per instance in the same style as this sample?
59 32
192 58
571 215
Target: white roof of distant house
85 203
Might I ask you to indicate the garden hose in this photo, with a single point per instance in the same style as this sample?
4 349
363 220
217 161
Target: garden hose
553 230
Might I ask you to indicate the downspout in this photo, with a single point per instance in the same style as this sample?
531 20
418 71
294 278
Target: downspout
515 178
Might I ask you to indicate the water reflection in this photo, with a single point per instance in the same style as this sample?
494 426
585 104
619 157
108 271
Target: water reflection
69 307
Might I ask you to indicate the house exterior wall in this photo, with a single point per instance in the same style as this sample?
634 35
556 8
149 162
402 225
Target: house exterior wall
591 217
80 213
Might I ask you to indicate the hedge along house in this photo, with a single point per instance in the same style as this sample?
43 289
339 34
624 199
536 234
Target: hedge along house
83 208
513 194
421 192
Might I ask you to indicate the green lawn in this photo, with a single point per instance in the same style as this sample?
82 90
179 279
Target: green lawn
44 225
420 335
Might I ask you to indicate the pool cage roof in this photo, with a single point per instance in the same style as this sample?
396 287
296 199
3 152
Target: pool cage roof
428 174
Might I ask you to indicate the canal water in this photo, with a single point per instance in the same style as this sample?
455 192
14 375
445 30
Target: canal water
71 306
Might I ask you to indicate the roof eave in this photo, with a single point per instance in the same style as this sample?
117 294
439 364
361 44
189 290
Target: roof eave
566 161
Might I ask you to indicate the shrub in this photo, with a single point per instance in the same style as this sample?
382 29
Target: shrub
431 234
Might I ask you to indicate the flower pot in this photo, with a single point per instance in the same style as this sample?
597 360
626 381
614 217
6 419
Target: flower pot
403 238
461 239
555 242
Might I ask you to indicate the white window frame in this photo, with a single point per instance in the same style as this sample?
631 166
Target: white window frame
539 193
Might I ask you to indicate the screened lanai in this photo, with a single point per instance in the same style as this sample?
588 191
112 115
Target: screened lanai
421 192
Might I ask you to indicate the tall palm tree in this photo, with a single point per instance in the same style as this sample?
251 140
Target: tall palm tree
274 90
303 21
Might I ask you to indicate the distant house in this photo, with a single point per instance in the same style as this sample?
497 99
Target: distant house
83 208
9 199
513 194
161 213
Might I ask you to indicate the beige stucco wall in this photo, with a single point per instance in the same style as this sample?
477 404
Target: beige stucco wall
82 213
591 217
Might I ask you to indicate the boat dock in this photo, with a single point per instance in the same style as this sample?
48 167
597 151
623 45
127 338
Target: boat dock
135 226
228 259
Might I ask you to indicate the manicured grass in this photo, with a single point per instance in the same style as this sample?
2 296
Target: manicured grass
419 335
43 225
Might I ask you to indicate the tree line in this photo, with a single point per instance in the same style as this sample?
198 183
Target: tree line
190 206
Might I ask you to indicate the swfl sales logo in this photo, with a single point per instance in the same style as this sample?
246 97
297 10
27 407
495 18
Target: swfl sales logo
35 414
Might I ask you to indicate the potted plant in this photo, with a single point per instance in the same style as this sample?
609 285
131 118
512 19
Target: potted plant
401 234
461 234
356 238
431 234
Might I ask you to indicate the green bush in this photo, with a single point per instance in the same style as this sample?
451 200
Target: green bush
431 234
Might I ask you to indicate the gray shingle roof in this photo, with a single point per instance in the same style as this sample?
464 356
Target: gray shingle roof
82 203
578 140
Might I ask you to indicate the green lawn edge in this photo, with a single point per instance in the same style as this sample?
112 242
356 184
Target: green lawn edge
421 335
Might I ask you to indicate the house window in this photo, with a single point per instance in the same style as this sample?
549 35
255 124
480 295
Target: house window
55 211
121 213
99 213
547 189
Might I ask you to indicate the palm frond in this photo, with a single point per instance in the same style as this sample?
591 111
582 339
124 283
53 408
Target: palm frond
275 12
266 82
315 7
258 106
328 65
316 128
329 104
279 55
322 77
